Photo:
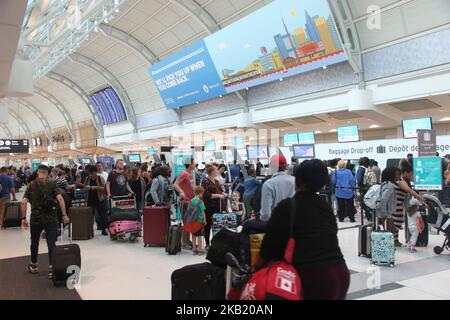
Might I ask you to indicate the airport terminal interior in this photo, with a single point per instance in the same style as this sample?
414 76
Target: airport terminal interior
117 109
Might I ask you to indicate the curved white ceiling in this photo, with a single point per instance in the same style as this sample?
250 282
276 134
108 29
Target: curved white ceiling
167 26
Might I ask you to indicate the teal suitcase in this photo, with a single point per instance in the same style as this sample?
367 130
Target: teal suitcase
383 249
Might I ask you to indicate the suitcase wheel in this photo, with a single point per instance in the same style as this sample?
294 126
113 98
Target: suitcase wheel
113 237
391 264
133 238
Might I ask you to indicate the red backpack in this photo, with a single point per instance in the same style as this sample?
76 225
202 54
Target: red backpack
279 280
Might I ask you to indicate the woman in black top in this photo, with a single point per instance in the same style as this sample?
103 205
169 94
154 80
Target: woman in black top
317 256
137 184
95 185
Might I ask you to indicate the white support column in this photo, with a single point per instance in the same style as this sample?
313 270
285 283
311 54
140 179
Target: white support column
129 41
39 115
23 124
58 105
83 96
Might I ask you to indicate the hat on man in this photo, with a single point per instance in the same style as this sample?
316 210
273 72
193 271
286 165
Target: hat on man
278 160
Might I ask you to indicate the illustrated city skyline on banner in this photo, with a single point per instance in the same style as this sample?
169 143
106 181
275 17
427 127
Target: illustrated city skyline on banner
283 35
282 39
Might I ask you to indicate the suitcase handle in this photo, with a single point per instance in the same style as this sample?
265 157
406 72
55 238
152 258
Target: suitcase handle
70 233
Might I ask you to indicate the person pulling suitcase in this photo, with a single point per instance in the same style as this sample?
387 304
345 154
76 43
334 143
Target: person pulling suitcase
44 198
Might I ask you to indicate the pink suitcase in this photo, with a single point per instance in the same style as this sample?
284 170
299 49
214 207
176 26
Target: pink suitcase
118 228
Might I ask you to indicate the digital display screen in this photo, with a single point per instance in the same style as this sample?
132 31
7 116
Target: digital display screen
85 160
411 126
306 137
150 151
134 158
304 151
242 154
210 145
238 142
348 134
290 139
106 160
258 152
109 107
14 146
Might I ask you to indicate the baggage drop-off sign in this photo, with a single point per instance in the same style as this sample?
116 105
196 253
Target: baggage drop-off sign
427 174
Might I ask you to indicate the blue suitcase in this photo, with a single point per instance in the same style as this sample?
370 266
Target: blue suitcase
383 249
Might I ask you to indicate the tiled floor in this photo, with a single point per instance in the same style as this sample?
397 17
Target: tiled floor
123 270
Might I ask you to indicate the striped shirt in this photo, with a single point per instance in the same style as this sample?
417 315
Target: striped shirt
61 183
399 207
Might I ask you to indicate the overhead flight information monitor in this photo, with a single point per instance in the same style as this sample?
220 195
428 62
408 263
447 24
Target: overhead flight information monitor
238 142
304 151
258 152
210 145
306 138
134 158
290 139
411 126
86 161
106 160
348 134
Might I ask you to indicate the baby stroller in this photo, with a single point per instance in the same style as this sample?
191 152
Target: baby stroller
438 217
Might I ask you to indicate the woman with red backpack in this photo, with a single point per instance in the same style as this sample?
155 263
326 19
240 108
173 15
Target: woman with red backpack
316 257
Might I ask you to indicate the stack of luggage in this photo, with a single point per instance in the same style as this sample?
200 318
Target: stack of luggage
124 219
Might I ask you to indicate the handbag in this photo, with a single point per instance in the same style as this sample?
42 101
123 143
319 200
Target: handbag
279 280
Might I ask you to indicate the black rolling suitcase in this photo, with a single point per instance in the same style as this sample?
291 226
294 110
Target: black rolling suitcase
12 217
173 244
198 282
364 242
364 237
65 256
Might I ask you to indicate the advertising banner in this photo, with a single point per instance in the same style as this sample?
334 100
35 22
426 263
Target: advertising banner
427 174
282 39
14 146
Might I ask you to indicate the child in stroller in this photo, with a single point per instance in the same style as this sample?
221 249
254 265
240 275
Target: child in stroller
438 217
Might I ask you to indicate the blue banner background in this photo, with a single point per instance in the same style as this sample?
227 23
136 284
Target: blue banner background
187 77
